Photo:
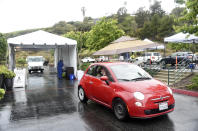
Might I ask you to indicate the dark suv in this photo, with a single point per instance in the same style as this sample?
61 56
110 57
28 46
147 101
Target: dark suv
182 57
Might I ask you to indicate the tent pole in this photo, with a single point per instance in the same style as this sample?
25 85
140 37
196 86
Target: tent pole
164 49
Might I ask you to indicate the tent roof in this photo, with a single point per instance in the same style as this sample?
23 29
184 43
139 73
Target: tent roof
148 40
182 38
125 46
123 38
40 38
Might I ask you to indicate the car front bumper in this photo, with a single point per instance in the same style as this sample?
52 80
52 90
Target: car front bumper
151 107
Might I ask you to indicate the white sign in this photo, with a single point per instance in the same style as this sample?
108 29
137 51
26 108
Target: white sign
20 78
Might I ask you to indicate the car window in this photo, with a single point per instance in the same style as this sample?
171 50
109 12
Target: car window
156 54
102 71
35 59
128 72
174 54
180 54
91 70
147 54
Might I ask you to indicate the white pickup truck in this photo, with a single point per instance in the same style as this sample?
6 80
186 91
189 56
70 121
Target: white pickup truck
102 59
154 57
35 63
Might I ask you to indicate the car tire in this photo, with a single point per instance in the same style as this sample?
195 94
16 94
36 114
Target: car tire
120 110
41 71
81 95
163 64
30 71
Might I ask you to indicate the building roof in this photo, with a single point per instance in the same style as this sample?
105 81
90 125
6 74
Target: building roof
125 46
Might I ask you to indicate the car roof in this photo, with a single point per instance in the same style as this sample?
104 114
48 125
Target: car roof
33 56
110 63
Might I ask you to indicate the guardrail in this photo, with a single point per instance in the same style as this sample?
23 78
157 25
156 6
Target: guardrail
181 68
152 69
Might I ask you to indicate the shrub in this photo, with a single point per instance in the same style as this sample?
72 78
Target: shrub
152 72
84 66
21 62
2 93
3 47
6 73
194 84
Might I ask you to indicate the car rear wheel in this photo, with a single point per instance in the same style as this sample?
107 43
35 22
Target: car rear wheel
120 110
81 95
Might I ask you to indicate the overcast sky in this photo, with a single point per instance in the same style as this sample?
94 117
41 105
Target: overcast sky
27 14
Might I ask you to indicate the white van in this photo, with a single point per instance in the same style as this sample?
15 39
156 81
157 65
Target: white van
35 63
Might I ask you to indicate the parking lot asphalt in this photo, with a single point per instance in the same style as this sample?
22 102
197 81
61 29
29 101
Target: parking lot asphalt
51 104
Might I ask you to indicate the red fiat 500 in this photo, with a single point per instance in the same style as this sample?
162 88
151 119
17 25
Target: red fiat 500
127 89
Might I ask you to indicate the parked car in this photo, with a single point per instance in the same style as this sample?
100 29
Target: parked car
102 59
35 63
88 59
182 57
127 89
154 57
192 57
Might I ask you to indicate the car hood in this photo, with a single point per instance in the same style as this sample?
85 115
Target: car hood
35 63
144 86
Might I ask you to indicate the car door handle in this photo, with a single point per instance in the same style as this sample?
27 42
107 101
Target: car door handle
90 82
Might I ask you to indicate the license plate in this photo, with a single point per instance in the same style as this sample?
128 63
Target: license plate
163 106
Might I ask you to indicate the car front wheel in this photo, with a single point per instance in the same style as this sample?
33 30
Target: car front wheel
120 110
81 95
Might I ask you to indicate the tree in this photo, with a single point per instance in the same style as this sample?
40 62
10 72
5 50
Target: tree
166 27
84 26
126 22
179 1
150 28
190 19
157 9
104 32
157 28
83 9
3 47
142 16
61 28
122 11
177 12
128 25
80 37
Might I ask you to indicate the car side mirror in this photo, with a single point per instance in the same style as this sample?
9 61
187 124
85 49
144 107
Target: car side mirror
104 78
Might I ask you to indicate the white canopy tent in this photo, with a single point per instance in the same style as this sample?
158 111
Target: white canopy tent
182 38
156 47
65 48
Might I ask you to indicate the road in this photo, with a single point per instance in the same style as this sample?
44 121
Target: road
51 104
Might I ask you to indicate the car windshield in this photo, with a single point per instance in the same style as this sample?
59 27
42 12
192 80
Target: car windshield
35 59
129 72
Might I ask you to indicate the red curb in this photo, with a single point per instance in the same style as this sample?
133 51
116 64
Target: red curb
185 92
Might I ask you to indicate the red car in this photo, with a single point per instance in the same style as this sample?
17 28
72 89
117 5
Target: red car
127 89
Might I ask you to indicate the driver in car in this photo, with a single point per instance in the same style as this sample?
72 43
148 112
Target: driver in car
101 72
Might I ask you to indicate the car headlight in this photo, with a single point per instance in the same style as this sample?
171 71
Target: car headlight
139 95
170 91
